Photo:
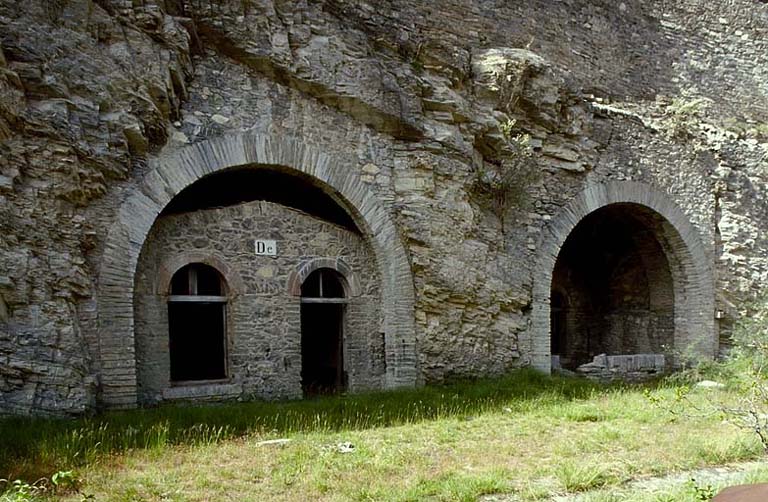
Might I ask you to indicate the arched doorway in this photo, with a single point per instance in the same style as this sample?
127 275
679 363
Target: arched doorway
640 261
323 303
319 335
615 271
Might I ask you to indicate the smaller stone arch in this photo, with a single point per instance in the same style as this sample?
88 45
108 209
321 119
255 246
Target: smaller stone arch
298 276
690 259
232 281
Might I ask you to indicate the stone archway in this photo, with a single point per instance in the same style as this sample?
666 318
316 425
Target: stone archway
693 283
170 175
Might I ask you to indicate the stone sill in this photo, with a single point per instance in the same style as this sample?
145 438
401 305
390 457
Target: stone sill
204 391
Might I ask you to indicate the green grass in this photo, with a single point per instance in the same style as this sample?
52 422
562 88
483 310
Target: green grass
526 433
31 448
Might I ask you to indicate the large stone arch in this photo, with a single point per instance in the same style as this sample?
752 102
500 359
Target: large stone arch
693 281
169 175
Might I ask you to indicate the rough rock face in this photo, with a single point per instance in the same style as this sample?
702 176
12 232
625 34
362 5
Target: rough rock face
417 100
87 91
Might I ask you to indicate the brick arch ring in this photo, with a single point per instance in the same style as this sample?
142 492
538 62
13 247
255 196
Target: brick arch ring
233 282
298 276
169 175
693 280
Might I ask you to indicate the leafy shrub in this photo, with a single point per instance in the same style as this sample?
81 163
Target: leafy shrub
683 117
745 370
504 184
22 491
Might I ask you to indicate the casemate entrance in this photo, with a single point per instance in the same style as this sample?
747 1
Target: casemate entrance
622 286
612 288
253 282
310 210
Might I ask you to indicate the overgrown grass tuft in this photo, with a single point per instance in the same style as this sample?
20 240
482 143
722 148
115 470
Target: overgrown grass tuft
33 448
574 476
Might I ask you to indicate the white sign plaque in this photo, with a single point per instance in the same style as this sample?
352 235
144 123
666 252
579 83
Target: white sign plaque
265 247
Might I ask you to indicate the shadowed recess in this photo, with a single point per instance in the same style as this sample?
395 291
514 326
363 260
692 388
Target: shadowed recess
612 289
236 186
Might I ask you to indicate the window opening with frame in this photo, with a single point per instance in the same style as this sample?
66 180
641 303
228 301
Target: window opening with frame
197 324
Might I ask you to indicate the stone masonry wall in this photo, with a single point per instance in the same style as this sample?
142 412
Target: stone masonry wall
417 100
263 321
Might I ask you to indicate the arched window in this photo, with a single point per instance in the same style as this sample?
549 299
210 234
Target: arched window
197 324
322 333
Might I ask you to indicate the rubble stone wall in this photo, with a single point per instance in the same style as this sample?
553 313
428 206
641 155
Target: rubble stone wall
263 322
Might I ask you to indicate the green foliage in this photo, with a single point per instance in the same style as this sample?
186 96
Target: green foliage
761 130
683 117
585 413
22 491
505 184
746 129
750 341
450 487
507 130
579 477
745 372
65 480
748 364
688 108
701 493
449 442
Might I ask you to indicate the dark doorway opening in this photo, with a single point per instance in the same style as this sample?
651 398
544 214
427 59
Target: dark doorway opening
612 289
197 324
323 304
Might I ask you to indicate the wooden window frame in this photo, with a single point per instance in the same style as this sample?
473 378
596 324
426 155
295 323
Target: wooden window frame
193 297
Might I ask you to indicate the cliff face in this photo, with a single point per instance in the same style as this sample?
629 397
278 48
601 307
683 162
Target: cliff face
87 91
419 100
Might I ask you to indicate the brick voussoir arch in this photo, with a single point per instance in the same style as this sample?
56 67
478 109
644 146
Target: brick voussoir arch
694 284
169 175
233 282
305 269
